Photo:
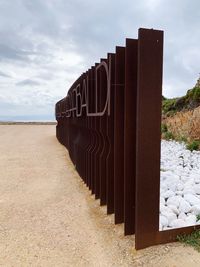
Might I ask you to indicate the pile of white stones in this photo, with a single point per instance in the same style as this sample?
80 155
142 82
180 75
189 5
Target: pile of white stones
179 186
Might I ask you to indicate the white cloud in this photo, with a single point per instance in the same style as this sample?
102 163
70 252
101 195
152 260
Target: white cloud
46 44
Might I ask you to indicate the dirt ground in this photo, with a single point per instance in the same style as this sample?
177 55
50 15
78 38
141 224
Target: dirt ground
49 218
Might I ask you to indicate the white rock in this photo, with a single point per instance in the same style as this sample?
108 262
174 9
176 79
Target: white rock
184 206
162 191
178 223
174 201
168 174
179 193
190 220
192 199
195 210
174 209
172 183
167 228
184 178
170 216
168 193
182 216
197 189
164 221
188 190
164 208
163 186
198 196
180 186
162 200
197 179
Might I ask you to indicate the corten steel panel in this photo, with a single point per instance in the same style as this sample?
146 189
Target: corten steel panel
130 99
167 236
83 131
85 134
80 140
86 139
72 132
99 140
89 101
87 156
93 129
103 130
94 140
119 135
89 119
77 135
150 57
110 133
67 123
77 139
87 125
95 169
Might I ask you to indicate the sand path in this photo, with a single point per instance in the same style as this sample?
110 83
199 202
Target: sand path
48 217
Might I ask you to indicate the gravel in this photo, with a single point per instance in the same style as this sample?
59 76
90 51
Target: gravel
49 218
179 186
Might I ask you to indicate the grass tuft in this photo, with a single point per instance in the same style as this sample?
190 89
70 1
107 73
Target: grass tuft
194 145
169 135
190 101
192 239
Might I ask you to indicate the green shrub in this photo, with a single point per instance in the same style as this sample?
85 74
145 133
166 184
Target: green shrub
196 95
189 101
193 94
169 105
182 139
194 145
163 128
192 239
168 135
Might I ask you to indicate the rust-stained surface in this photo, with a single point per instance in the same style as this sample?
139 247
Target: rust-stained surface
110 123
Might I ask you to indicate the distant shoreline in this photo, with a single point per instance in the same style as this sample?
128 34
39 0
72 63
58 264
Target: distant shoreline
28 122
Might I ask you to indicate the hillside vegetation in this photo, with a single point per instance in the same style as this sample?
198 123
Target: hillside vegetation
181 118
190 101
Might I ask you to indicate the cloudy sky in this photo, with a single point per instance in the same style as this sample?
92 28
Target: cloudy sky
46 44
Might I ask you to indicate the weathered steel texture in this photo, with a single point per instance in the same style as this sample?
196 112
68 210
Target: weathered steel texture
90 83
110 134
119 135
103 132
99 143
149 99
130 104
110 123
93 139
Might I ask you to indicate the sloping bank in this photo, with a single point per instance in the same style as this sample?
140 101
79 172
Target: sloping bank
185 124
181 116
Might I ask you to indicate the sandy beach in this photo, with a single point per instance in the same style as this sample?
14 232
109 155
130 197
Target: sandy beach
49 218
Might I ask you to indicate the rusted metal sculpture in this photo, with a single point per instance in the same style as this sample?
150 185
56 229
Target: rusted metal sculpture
110 123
